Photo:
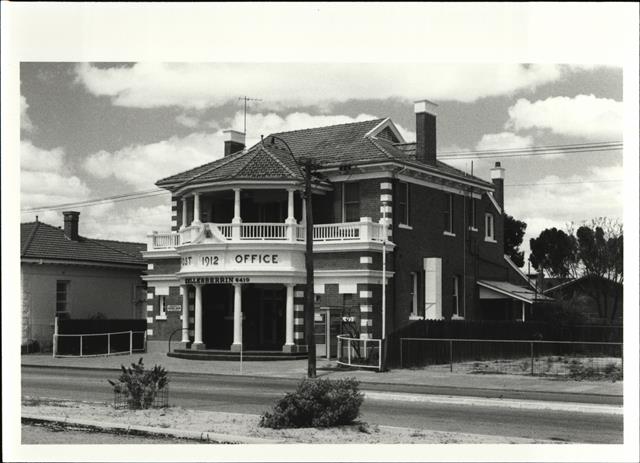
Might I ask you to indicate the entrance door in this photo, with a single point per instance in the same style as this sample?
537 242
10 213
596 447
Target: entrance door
327 328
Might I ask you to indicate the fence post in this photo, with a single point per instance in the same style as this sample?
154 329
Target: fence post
80 345
451 355
145 340
401 362
55 336
531 358
130 342
108 344
349 352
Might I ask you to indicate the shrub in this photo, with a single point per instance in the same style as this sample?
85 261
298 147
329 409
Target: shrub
140 386
316 403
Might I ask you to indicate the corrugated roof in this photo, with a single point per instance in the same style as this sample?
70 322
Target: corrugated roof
514 291
328 146
39 240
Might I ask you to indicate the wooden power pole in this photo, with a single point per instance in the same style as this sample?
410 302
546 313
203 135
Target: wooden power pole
309 318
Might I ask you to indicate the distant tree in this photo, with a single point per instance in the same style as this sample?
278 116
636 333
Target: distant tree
513 234
553 251
593 253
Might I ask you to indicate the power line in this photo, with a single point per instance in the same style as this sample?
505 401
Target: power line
478 154
562 183
97 201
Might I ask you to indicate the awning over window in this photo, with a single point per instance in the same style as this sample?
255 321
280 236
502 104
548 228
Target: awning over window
490 289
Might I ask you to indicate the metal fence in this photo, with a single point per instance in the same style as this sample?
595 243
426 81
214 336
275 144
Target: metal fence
362 353
124 400
99 344
579 360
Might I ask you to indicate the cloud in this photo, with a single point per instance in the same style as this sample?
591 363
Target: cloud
124 222
187 121
504 140
45 179
25 120
583 116
199 86
142 165
555 201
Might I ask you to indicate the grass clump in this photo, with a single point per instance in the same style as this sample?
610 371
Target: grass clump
139 386
318 403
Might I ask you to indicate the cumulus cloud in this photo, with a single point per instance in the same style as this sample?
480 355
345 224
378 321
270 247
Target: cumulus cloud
555 201
583 116
187 121
199 86
504 140
25 120
124 222
142 165
45 179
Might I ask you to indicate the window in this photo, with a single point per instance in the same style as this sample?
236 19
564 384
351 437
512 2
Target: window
414 296
62 299
489 234
351 202
471 214
448 214
456 298
162 308
403 203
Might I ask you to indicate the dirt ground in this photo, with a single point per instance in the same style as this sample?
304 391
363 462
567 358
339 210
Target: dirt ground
247 425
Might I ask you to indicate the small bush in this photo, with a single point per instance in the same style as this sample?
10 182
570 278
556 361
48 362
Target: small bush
140 386
318 403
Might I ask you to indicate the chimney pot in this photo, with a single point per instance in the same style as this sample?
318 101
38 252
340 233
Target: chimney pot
426 131
71 225
234 141
497 177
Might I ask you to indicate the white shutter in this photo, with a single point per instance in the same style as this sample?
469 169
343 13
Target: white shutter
433 288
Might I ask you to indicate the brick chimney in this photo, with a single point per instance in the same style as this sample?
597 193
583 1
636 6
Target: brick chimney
233 141
71 225
497 177
426 131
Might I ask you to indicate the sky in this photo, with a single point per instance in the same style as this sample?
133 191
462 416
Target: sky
96 130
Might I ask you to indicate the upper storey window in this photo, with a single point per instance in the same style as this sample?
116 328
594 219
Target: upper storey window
351 202
403 203
448 214
489 228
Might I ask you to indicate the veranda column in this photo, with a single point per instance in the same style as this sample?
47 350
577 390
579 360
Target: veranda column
290 220
197 341
184 213
185 314
523 311
237 317
196 209
237 218
289 345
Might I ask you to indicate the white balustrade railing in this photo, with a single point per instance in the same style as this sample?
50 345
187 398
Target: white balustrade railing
366 230
263 231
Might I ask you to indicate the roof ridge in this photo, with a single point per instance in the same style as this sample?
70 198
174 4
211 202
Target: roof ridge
375 142
229 159
275 158
99 243
118 241
30 238
329 126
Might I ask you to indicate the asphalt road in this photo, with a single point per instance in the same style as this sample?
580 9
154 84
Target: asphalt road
255 395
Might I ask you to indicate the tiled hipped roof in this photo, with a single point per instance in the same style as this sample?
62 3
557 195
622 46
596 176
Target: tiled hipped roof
330 146
42 241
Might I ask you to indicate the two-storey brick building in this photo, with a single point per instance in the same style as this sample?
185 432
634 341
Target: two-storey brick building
232 271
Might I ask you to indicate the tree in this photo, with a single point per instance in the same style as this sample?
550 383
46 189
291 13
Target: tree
554 252
513 234
592 254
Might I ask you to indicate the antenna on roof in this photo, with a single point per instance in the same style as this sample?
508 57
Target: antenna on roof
246 98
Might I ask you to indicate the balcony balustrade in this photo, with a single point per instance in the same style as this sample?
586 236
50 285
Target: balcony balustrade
262 232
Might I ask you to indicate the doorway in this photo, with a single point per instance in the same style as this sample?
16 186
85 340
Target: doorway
327 327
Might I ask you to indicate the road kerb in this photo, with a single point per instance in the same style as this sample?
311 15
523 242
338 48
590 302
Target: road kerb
178 433
507 403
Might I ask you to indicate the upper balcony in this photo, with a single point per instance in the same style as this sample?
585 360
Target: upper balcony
326 237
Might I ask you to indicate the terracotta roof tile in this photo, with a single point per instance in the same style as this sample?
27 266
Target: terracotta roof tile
39 240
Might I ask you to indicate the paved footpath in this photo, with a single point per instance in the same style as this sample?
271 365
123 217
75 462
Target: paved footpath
297 369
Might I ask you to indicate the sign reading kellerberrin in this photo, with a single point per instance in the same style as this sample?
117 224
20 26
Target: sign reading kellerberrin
216 280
